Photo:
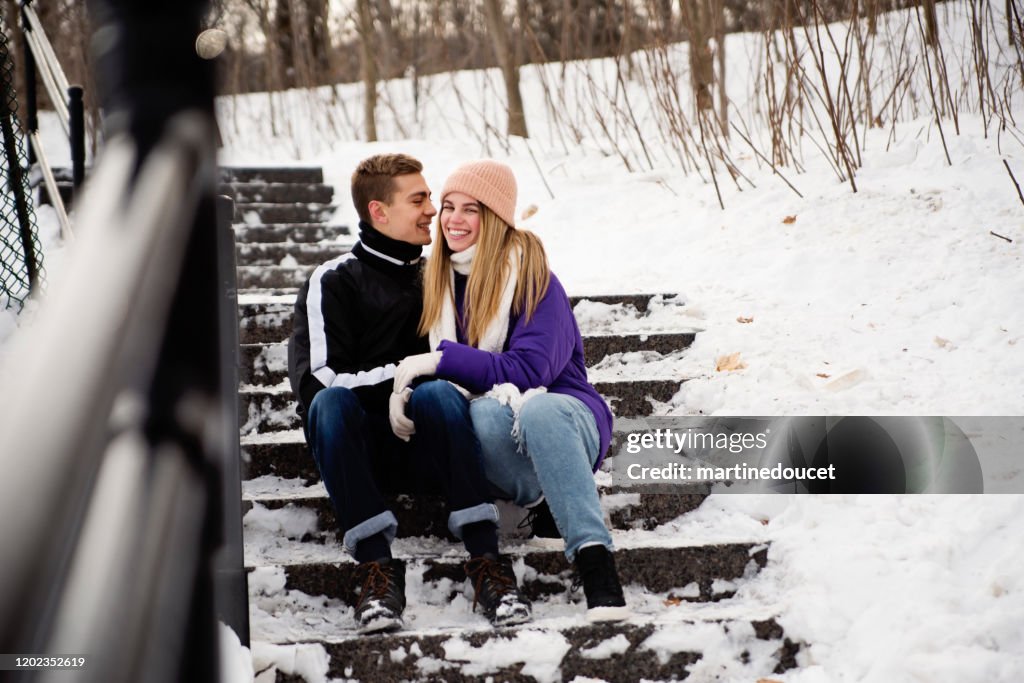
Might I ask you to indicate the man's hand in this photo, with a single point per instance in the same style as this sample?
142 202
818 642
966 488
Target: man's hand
415 366
401 425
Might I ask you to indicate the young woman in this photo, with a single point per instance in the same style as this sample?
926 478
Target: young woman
504 332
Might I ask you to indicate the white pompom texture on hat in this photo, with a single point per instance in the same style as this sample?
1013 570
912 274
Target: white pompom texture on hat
211 42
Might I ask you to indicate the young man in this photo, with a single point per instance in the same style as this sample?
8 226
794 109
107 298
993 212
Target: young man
355 319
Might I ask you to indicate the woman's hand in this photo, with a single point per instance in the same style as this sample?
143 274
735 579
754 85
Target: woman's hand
415 366
401 425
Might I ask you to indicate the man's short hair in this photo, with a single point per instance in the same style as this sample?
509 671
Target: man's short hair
374 179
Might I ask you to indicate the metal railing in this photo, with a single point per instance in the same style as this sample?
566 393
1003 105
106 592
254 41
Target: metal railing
40 58
114 444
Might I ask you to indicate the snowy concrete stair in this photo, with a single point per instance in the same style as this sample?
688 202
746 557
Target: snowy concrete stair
616 653
276 233
677 584
277 196
681 597
625 339
426 515
267 363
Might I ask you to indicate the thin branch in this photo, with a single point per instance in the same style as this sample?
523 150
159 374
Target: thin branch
765 159
1015 183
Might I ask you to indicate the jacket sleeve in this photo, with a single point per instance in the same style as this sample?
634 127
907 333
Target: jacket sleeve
536 354
323 351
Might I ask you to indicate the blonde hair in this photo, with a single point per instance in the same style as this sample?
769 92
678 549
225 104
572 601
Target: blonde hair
487 278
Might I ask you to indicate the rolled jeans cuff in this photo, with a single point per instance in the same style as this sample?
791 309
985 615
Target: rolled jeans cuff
383 522
484 512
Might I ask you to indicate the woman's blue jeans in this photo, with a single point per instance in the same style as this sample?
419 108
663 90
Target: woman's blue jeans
358 455
552 456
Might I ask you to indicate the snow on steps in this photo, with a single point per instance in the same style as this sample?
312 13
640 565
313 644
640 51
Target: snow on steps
680 578
267 362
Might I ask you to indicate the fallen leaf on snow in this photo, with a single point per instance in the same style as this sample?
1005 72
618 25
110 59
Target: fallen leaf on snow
729 363
944 343
847 380
529 211
672 601
789 220
823 375
767 680
744 320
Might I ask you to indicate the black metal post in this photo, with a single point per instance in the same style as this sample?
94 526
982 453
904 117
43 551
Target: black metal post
230 577
76 111
151 73
32 105
16 175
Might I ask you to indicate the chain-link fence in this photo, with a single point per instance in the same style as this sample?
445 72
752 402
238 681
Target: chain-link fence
21 257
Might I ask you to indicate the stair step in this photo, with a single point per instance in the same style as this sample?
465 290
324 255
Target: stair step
267 363
287 232
427 515
271 174
267 409
625 652
256 213
268 319
273 277
283 454
278 193
656 569
272 254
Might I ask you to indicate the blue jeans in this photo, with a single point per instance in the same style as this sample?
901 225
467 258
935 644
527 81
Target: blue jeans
357 452
553 456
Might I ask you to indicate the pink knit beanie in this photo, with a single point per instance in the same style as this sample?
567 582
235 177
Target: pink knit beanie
489 182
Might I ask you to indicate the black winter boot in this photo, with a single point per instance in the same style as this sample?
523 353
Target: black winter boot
496 591
595 570
381 596
540 522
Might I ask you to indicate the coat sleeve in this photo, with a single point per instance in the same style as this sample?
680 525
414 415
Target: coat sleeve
538 350
323 349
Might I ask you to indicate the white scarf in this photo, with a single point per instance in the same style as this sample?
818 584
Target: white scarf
494 336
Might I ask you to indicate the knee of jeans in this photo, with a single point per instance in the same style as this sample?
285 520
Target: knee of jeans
333 405
489 419
435 396
542 409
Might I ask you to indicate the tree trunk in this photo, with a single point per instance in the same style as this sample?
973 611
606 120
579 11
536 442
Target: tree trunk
369 68
931 22
871 9
718 22
390 57
509 69
283 39
320 41
566 41
696 20
628 41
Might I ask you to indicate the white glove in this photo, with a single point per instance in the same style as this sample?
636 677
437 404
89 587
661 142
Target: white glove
401 425
415 366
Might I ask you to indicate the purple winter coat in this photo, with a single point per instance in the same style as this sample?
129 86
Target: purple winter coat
547 352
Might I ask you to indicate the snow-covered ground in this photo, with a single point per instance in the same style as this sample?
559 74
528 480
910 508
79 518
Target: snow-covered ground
900 288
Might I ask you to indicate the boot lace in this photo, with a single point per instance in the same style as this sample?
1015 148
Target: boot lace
528 521
377 582
485 571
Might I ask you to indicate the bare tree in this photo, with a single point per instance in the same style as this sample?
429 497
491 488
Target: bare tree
717 8
509 68
389 52
369 67
697 21
931 22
